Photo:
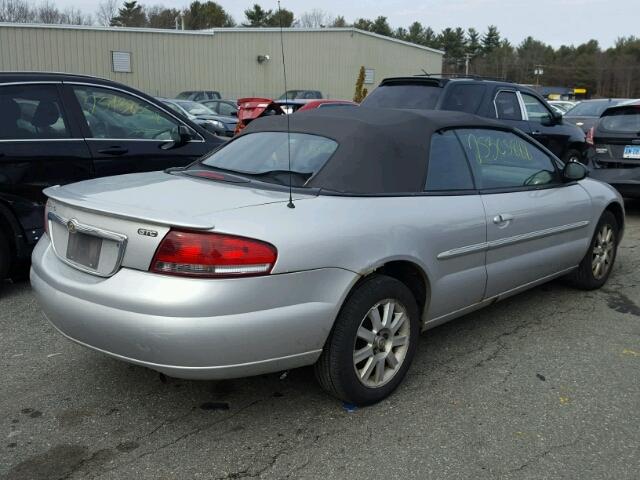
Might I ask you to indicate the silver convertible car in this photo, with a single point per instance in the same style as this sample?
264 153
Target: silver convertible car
399 221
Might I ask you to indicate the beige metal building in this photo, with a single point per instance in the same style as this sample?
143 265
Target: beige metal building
238 62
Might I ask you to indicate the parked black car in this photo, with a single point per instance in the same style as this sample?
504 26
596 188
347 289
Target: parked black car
513 104
586 114
58 128
617 144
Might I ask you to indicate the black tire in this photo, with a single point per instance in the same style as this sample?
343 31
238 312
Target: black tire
583 277
5 257
335 370
572 155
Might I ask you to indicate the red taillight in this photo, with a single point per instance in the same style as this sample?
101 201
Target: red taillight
589 138
212 255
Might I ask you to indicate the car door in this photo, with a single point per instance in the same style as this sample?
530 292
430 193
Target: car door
126 133
536 223
508 109
40 146
543 126
455 209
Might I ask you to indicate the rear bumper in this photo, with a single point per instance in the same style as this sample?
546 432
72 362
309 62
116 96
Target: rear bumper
190 328
625 180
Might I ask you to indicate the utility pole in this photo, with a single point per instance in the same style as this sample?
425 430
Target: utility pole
467 57
538 71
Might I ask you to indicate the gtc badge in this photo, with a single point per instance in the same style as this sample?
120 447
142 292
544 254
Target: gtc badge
147 233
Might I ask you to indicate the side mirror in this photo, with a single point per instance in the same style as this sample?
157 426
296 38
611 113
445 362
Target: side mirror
574 171
553 118
184 133
178 138
234 113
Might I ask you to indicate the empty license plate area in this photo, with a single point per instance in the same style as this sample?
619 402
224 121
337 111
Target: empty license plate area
86 247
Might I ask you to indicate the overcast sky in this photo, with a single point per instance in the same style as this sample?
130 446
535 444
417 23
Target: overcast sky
556 22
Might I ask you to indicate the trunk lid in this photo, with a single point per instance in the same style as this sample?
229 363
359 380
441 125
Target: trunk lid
162 198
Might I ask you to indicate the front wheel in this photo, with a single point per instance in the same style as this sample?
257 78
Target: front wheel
372 343
596 266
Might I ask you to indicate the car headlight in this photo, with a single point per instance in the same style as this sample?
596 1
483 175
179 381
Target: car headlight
215 123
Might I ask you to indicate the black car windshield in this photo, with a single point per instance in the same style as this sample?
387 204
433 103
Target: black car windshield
415 96
265 155
591 108
195 108
623 120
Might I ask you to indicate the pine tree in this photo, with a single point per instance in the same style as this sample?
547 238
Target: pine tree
361 90
130 15
491 39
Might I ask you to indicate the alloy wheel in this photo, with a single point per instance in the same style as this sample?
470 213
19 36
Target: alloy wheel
381 344
603 251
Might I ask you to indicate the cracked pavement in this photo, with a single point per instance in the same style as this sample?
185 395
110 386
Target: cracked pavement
543 385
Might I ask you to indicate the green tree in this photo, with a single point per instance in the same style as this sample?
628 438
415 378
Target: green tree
201 15
381 26
491 39
339 22
130 15
453 42
363 24
416 33
282 17
160 17
361 90
473 42
256 16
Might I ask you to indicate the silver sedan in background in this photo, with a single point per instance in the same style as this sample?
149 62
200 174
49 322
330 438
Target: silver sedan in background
332 238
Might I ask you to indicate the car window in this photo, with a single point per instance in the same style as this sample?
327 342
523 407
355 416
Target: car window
113 114
31 112
464 98
622 120
264 152
226 109
417 96
448 168
507 106
501 159
195 108
536 110
175 108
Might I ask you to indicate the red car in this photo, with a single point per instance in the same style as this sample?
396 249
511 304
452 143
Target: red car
255 107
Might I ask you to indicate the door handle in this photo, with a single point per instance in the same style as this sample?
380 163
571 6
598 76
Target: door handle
114 151
503 218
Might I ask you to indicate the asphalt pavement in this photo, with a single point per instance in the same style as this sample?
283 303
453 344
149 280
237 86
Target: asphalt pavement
545 385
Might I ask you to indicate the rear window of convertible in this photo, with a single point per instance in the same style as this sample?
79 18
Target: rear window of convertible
266 154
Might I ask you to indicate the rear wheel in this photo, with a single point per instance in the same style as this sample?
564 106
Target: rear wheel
5 257
596 266
372 343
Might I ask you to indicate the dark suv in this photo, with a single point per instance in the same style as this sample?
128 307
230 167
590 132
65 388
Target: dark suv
513 104
57 129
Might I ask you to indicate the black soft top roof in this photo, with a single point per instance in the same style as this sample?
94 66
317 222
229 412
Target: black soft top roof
380 151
